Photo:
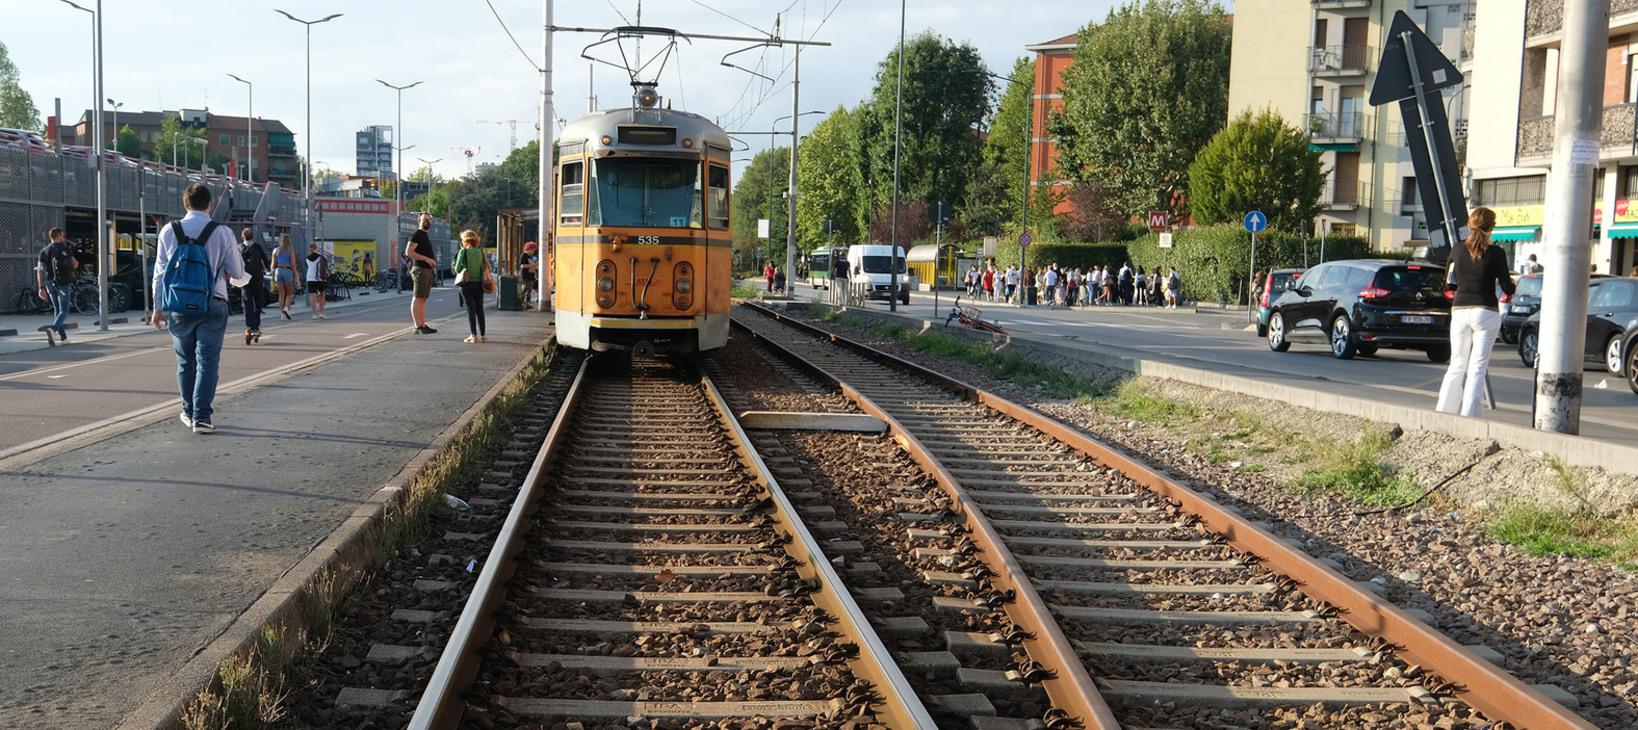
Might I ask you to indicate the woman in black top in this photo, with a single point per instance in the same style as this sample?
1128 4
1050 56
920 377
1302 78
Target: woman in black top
1477 268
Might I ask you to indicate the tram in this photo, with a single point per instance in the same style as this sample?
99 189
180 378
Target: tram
644 256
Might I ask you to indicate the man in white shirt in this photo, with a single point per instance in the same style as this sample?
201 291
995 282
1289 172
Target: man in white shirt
1051 284
197 338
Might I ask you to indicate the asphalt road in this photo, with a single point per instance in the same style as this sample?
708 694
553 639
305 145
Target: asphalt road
58 390
1213 341
119 559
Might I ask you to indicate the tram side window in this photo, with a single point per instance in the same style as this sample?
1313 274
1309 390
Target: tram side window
574 192
717 208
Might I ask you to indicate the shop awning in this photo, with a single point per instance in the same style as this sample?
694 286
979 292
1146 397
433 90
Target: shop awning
1624 230
1515 233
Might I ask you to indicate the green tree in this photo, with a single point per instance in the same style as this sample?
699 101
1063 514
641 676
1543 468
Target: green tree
759 193
128 143
946 97
523 165
828 182
1148 89
175 138
1257 162
996 192
17 109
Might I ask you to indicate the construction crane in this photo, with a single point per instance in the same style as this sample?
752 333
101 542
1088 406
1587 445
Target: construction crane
470 152
511 123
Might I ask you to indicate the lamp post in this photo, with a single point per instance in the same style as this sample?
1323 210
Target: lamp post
397 160
116 105
100 132
307 174
250 128
898 132
1029 150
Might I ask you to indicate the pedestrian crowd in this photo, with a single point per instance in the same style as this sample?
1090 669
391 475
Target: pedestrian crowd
1064 286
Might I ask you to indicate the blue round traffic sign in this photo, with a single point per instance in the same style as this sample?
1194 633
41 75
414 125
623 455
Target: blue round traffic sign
1255 221
1023 239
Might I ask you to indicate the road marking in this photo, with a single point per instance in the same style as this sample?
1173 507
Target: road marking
356 335
56 377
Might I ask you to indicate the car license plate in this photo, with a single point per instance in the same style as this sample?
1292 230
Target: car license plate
1415 319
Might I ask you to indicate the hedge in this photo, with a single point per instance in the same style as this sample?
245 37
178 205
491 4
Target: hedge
1214 261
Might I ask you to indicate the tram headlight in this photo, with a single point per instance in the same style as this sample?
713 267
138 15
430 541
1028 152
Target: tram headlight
605 283
682 285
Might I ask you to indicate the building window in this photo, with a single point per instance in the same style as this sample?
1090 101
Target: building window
1407 193
224 140
1511 191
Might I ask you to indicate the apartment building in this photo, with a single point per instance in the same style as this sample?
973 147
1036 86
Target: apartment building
374 152
1313 62
1511 142
272 144
1052 58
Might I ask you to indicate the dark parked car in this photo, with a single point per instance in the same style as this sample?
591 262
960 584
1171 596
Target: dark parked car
1360 306
1273 283
1612 328
1525 302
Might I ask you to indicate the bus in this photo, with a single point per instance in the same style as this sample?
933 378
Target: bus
819 263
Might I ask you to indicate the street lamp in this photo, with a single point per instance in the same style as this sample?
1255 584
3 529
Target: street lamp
307 174
429 163
1029 151
116 105
250 129
397 160
898 132
102 199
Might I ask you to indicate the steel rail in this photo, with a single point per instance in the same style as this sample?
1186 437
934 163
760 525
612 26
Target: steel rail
1482 685
900 707
443 702
1070 688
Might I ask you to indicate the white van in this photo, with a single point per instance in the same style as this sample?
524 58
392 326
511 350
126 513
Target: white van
870 268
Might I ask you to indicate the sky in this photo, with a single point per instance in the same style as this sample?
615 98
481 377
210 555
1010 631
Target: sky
166 54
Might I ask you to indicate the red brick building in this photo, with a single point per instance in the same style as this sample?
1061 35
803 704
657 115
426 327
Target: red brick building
1046 98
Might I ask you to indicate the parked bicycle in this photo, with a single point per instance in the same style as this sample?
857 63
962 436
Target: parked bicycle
29 302
972 318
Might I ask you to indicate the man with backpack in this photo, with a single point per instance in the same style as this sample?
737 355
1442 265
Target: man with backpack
253 296
195 262
54 276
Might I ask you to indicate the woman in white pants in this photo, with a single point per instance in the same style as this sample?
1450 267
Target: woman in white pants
1476 270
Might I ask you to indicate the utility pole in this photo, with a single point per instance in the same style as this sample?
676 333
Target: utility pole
398 170
898 132
1577 119
548 251
250 128
790 211
104 260
307 164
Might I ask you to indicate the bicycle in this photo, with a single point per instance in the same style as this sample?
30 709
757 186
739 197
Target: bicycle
972 318
29 302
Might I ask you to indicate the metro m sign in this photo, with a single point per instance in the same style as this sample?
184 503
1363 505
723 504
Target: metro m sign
1157 220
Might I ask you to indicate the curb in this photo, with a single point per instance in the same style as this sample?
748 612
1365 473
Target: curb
1572 450
348 547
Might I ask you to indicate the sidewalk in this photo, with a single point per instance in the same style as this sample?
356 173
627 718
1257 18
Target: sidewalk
83 327
119 560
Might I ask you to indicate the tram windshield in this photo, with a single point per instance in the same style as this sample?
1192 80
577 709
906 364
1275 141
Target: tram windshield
645 192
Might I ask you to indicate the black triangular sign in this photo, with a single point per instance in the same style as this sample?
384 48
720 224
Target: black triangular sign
1393 76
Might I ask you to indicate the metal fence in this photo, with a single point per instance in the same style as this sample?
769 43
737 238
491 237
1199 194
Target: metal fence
37 191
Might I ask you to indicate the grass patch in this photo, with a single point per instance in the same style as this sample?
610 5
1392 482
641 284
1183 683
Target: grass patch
249 690
1134 402
744 291
1580 532
1355 471
1001 365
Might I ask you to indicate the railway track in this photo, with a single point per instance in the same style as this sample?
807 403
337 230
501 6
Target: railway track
1187 614
651 567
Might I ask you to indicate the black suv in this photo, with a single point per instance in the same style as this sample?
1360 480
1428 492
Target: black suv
1360 306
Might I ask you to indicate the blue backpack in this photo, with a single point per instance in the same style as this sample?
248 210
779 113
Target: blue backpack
190 281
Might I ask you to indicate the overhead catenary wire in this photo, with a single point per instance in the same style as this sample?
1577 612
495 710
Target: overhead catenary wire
616 10
514 39
730 17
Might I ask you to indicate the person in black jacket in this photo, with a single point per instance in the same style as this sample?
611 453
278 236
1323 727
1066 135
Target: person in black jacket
1477 268
253 295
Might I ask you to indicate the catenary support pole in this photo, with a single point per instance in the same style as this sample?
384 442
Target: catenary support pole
790 209
898 133
103 259
547 250
1577 121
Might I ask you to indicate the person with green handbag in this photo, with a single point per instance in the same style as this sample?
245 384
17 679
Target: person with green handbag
473 277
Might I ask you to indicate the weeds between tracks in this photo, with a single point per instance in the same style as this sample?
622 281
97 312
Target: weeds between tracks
250 689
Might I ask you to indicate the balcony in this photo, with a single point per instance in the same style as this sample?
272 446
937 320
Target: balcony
1336 128
1544 19
1343 197
1536 135
1342 4
1341 61
277 151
